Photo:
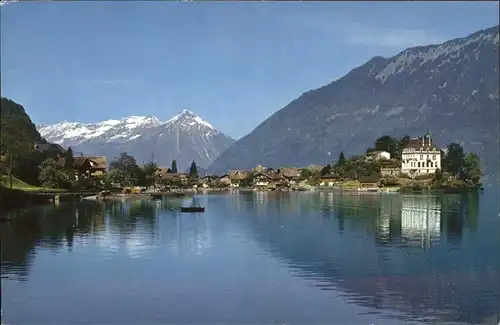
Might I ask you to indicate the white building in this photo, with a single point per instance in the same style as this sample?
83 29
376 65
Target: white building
377 155
420 157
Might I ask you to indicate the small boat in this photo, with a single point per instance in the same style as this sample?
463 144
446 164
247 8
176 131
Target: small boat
194 208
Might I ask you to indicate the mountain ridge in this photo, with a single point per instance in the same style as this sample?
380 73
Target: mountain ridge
184 137
450 88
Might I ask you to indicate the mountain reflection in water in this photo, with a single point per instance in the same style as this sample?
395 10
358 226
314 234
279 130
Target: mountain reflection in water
413 258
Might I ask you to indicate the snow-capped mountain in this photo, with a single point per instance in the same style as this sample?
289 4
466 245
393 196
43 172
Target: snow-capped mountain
184 137
73 133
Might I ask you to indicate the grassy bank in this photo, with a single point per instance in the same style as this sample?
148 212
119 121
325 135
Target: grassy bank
18 184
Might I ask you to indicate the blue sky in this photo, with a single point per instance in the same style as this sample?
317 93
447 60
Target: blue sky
232 63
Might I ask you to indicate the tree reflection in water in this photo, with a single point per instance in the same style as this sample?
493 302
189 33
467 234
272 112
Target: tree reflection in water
422 255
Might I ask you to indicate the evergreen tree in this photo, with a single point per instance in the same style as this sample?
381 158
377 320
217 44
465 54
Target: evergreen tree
193 171
341 160
173 167
69 160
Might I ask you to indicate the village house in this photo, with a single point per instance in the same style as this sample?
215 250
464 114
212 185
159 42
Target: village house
88 166
266 180
378 155
291 175
420 157
237 177
224 180
390 171
328 180
165 174
207 181
369 182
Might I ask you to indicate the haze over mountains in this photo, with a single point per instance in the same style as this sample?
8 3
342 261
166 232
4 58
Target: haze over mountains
452 89
185 137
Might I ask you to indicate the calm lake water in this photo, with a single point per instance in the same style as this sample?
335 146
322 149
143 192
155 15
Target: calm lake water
256 258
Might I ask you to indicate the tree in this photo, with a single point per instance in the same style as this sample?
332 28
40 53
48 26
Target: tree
327 170
125 170
341 160
149 172
387 143
173 167
69 160
193 171
453 161
52 176
471 169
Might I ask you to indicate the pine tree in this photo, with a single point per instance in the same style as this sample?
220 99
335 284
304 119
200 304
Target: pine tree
173 167
341 160
193 172
69 161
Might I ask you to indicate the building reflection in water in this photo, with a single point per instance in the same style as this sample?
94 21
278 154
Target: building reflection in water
387 251
421 219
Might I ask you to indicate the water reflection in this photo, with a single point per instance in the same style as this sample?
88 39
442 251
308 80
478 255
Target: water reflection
421 255
418 256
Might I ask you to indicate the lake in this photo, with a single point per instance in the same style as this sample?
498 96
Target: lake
256 258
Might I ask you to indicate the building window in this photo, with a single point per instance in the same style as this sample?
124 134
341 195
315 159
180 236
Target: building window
433 157
421 157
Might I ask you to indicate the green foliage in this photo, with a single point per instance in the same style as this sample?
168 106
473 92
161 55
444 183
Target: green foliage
173 167
169 182
471 169
149 174
18 133
466 168
193 171
306 173
341 160
355 168
53 176
454 159
392 145
389 181
69 160
327 170
438 176
124 171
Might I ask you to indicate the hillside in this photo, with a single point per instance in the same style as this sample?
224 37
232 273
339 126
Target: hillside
17 131
452 89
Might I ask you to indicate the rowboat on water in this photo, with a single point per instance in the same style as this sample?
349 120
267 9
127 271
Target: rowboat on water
195 207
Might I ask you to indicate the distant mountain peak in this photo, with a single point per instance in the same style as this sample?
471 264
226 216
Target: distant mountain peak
185 137
189 118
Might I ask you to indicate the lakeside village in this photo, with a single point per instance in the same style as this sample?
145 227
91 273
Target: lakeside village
406 164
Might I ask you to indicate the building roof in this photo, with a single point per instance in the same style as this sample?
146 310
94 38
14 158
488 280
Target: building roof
328 177
78 162
420 143
238 174
372 153
289 172
101 161
271 176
